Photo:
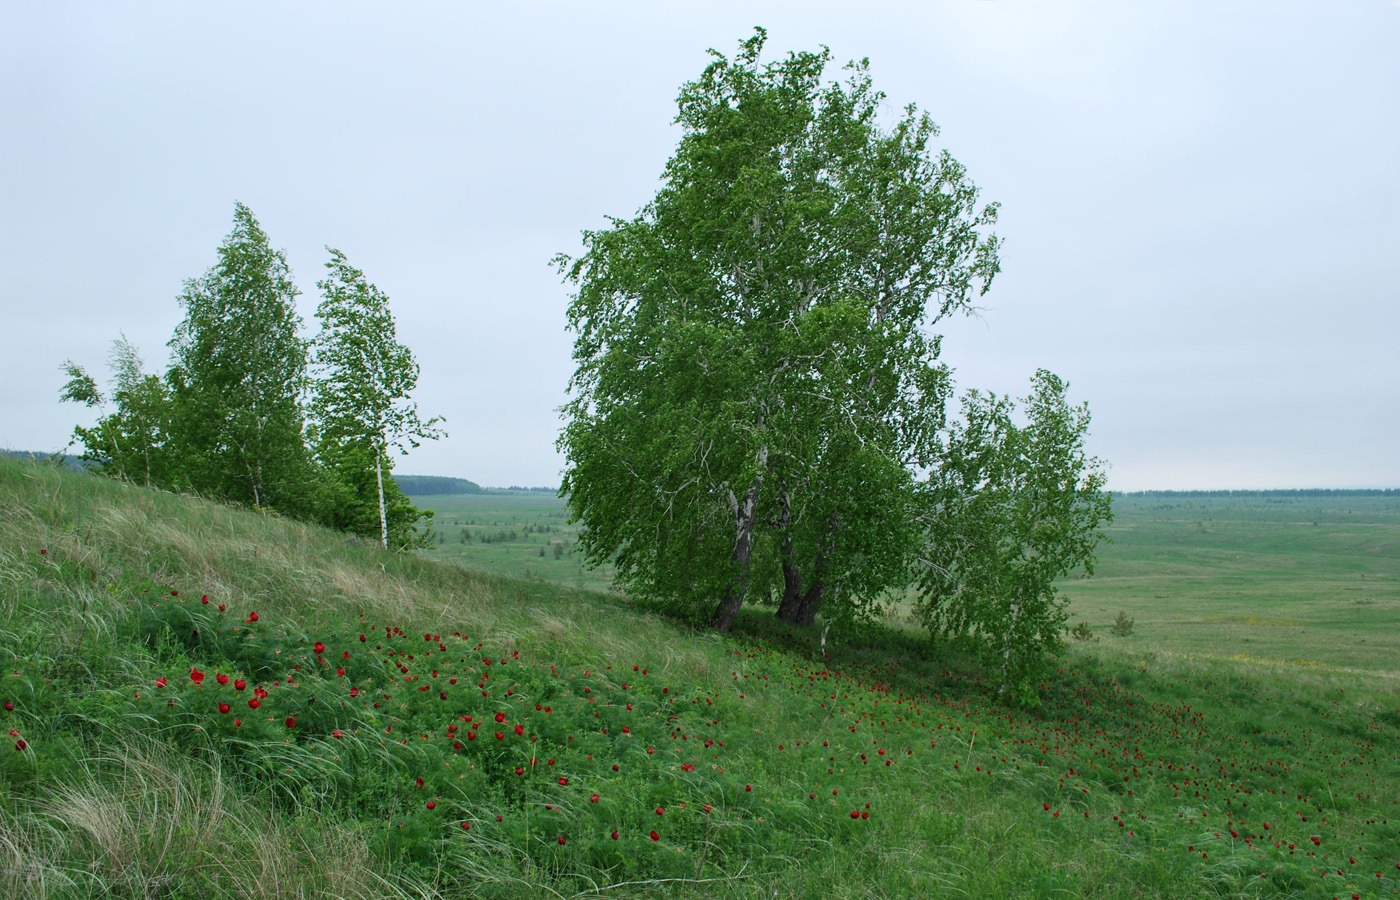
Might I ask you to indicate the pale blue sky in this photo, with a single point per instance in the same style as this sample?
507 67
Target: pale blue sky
1200 201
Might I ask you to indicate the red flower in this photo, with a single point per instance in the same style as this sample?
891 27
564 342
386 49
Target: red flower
223 708
500 736
291 721
160 682
9 706
561 840
204 598
21 744
614 834
432 804
254 703
221 678
655 836
661 811
563 781
519 770
466 826
252 617
748 787
593 799
240 684
520 730
337 733
708 807
500 717
196 676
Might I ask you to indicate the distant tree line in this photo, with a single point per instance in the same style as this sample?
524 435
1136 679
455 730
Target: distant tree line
250 412
431 485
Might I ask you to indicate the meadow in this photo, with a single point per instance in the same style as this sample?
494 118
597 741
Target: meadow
208 702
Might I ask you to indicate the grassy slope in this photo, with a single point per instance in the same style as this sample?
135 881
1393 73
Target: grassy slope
1128 782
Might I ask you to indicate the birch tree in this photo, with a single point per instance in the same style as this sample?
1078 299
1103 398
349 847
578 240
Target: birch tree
360 404
237 376
754 342
1013 507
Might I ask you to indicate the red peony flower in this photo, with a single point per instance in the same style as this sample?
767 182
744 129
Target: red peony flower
500 717
221 678
593 799
196 676
240 684
432 804
291 721
614 834
252 617
561 840
655 836
661 811
223 708
520 730
160 682
254 703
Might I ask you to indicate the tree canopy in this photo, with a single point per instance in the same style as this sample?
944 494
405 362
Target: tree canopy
758 407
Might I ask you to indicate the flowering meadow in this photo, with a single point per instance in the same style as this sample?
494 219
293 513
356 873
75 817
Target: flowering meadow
392 727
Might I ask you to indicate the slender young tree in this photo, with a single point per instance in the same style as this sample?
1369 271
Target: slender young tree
754 343
237 376
360 399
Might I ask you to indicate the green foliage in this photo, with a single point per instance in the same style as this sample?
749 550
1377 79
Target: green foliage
227 420
237 375
133 440
1082 632
360 405
1012 509
1122 625
754 375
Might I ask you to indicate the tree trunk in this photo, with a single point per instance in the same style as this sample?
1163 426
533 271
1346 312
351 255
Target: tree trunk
801 607
792 588
728 607
383 514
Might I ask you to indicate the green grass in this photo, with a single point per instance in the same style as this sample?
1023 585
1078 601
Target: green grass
1146 773
1285 580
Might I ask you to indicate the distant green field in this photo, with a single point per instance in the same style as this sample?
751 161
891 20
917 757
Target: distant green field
1301 580
523 534
1284 579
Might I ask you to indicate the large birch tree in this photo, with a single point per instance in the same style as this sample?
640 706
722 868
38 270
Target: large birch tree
756 379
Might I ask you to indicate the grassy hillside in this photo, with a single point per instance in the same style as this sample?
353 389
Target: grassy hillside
424 730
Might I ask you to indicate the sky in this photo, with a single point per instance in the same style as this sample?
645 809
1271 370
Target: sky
1200 202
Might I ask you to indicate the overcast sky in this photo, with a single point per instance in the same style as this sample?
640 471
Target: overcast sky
1200 200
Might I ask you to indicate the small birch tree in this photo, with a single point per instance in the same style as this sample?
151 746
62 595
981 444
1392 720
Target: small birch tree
360 402
1011 509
